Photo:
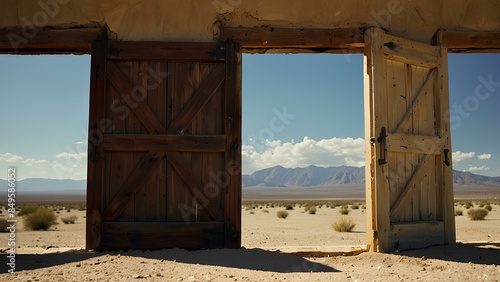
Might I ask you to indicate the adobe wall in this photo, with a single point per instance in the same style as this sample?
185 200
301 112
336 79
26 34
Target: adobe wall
198 20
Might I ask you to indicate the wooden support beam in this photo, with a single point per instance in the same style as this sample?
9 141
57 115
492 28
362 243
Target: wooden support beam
462 41
410 143
47 41
142 142
349 40
166 51
411 186
410 52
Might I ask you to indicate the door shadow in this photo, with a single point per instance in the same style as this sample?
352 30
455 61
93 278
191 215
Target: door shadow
251 259
478 253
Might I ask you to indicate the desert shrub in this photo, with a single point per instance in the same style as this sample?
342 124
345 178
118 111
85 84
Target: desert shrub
69 219
468 205
41 219
343 224
355 206
343 210
363 207
266 211
252 212
458 212
289 207
3 225
481 205
488 207
477 214
312 210
27 209
282 214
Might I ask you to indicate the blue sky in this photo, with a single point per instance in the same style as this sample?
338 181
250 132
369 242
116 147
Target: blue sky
297 110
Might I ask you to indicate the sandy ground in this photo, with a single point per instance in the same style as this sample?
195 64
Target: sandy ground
54 255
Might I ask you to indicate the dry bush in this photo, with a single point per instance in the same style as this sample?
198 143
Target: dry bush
27 209
344 224
488 207
312 210
477 214
3 225
282 214
458 212
355 206
69 219
344 210
41 219
289 207
468 205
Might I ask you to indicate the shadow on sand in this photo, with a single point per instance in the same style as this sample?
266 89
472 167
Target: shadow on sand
252 259
478 253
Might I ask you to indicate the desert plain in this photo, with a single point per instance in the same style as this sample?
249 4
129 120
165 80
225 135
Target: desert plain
301 247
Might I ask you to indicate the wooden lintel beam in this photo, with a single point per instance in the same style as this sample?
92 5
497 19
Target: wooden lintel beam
410 52
142 142
349 39
166 51
48 41
461 41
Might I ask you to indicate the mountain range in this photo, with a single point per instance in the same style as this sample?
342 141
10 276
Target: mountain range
310 176
277 176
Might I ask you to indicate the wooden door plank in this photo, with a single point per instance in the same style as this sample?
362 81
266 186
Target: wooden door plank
95 163
136 105
232 160
159 235
426 85
418 174
410 52
443 124
378 81
405 236
171 142
133 183
199 99
194 185
411 143
371 212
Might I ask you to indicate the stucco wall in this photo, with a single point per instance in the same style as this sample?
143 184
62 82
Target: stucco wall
198 20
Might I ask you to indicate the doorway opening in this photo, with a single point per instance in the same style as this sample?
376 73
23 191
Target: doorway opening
44 112
303 149
474 83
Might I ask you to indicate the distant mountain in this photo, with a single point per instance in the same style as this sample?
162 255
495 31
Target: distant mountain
37 185
310 176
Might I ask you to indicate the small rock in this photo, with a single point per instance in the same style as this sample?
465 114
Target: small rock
207 278
78 264
191 279
138 276
424 258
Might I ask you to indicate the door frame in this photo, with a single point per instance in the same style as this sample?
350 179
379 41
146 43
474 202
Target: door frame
252 40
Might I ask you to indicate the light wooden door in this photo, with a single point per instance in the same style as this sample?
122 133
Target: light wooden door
408 173
164 155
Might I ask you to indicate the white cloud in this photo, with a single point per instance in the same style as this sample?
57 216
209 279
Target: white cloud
484 156
66 155
326 152
10 158
476 168
459 156
83 142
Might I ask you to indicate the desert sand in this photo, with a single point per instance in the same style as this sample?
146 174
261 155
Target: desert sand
267 254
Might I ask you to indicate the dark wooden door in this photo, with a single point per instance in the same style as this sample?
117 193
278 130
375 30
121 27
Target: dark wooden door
409 173
164 167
